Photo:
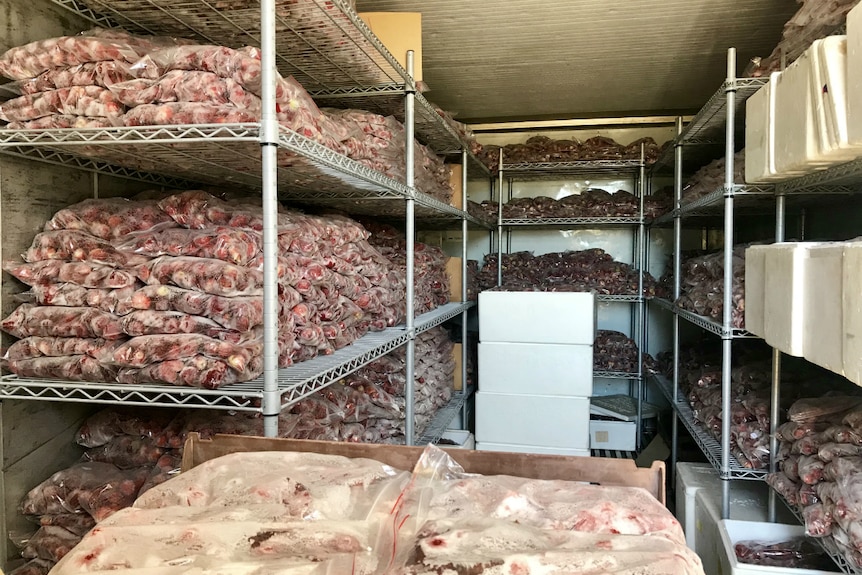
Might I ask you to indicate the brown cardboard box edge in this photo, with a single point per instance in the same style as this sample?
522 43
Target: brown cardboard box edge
619 472
454 272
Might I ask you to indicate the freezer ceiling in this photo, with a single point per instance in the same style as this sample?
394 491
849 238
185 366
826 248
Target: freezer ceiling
550 59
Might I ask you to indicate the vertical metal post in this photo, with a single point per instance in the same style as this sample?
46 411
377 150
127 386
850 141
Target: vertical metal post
96 185
500 221
271 403
409 395
775 396
677 285
640 333
464 388
726 337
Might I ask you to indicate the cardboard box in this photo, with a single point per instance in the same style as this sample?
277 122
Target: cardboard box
541 420
537 317
456 356
509 448
540 368
755 288
463 439
784 296
453 270
456 182
613 435
602 471
399 32
732 531
823 324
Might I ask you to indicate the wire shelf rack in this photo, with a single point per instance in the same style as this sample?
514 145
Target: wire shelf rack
748 200
615 375
220 154
568 222
707 127
443 418
584 168
703 322
295 382
710 447
828 544
609 298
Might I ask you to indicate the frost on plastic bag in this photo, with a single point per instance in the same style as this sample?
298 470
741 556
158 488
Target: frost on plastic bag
203 274
50 543
105 425
232 245
796 553
48 321
126 452
236 313
92 101
84 274
148 349
73 367
98 489
186 113
186 86
109 218
822 408
148 322
33 347
502 524
195 371
76 245
63 121
113 301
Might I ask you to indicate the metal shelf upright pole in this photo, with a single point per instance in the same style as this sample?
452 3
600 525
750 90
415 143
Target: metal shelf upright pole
640 334
464 316
726 336
677 284
271 402
775 396
500 221
409 126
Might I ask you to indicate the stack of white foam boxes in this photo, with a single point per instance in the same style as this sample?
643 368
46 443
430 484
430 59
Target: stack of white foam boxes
535 372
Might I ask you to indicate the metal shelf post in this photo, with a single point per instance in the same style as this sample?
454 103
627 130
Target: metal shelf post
727 338
775 392
465 315
269 137
500 221
677 285
410 368
640 333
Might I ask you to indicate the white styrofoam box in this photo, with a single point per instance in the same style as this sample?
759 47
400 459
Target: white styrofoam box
732 532
508 447
614 435
854 75
755 286
760 134
748 502
784 293
691 478
537 317
541 368
463 439
852 307
797 146
829 98
823 343
541 420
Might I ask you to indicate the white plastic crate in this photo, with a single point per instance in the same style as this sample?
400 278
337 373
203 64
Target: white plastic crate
540 420
823 325
784 293
543 369
829 98
613 435
852 311
732 532
797 145
511 448
537 317
463 439
755 286
760 135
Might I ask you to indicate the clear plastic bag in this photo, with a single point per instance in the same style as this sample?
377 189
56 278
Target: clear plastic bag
187 113
818 520
103 74
48 321
202 274
194 371
64 121
71 295
785 486
149 349
91 101
810 469
76 523
76 245
126 452
797 553
33 347
73 367
50 543
232 245
84 274
34 567
149 322
821 408
109 218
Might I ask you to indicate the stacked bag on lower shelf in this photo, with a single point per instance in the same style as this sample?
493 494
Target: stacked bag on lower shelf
170 291
820 458
130 450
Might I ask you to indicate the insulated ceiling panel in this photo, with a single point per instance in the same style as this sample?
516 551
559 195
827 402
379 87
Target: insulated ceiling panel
548 59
